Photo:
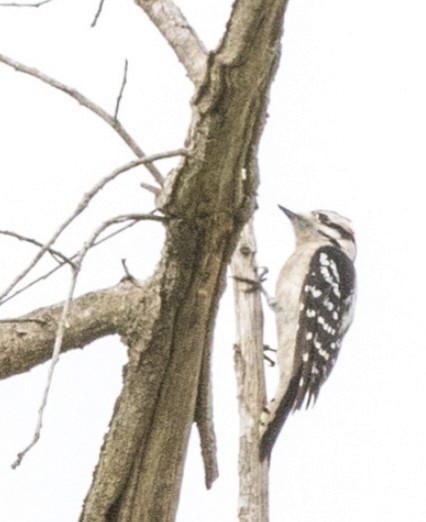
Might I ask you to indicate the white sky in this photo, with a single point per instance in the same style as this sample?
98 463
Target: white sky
346 131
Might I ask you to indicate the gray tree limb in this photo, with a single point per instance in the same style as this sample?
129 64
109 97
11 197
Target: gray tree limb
253 474
28 340
182 38
111 120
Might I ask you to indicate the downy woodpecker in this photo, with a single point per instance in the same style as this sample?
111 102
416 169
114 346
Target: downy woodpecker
314 302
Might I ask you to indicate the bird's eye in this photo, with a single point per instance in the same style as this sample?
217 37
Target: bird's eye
323 218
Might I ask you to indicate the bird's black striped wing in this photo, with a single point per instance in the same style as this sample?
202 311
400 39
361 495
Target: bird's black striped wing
326 303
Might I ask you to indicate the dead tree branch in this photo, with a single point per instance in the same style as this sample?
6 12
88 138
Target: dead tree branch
55 357
85 102
15 4
98 13
211 194
27 341
57 256
182 38
123 85
253 474
62 324
47 274
82 206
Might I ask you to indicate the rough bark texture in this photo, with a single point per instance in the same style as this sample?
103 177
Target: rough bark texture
28 340
167 324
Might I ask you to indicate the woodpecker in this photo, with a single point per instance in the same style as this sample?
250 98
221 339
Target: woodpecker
313 305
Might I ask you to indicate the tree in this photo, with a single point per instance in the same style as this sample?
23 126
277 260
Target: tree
167 320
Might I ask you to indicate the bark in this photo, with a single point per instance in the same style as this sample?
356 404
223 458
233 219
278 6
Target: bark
28 340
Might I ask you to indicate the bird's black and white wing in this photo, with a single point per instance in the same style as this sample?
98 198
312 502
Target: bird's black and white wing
326 303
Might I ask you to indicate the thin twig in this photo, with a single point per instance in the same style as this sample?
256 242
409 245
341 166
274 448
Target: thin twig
181 37
83 205
54 253
151 188
98 13
126 269
85 102
14 4
53 270
123 85
129 277
55 356
63 321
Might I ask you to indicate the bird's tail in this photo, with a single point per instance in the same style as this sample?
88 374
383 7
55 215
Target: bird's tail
277 422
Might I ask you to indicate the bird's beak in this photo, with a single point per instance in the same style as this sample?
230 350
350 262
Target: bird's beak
298 221
292 216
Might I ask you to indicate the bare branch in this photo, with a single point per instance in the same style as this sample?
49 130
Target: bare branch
54 253
129 276
15 4
83 205
98 13
27 341
123 85
53 270
253 474
151 188
62 325
182 38
85 102
55 358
